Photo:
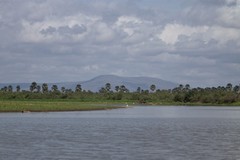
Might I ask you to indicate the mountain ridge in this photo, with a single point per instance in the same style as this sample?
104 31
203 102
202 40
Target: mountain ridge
96 83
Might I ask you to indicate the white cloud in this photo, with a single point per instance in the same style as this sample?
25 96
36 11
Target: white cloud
34 31
229 16
128 21
222 34
103 33
171 32
90 68
133 25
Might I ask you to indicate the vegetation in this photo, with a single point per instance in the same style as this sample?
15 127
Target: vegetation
54 98
48 105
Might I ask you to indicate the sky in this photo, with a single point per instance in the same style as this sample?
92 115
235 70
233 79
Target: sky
194 42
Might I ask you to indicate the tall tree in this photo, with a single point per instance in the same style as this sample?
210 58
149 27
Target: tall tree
108 87
33 86
236 89
180 87
117 88
38 88
5 88
10 88
152 87
78 88
18 88
54 88
229 87
123 88
44 87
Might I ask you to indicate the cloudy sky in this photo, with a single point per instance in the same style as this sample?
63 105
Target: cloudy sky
184 41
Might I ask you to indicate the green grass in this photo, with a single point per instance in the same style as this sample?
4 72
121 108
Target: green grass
51 106
48 105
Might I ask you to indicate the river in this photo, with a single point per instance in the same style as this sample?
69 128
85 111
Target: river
136 133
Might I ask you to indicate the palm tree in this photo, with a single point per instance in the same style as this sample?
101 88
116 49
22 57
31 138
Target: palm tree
78 88
123 88
108 87
10 88
5 88
180 87
18 88
152 87
33 86
117 88
229 87
44 88
38 88
236 89
54 88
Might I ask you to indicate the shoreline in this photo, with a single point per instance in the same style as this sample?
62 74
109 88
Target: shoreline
48 111
8 106
19 106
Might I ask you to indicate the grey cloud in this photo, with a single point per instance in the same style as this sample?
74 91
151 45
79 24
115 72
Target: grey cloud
76 29
49 30
65 30
217 3
103 47
210 12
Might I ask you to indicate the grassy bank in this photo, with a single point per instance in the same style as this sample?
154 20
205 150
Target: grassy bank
51 106
76 105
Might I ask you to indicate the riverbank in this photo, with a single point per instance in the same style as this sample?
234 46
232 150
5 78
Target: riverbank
54 106
236 104
74 105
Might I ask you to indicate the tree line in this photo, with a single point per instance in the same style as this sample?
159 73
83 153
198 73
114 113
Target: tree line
181 94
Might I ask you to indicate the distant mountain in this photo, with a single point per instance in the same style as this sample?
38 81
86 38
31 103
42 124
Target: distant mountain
132 83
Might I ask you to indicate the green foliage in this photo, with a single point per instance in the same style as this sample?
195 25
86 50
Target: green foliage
44 88
181 94
18 88
33 86
78 88
152 87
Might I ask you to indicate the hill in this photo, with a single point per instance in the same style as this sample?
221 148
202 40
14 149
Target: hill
132 83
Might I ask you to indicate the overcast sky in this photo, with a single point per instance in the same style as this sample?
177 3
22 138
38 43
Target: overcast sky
184 41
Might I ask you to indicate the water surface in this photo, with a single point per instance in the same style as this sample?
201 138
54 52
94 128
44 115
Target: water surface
147 133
